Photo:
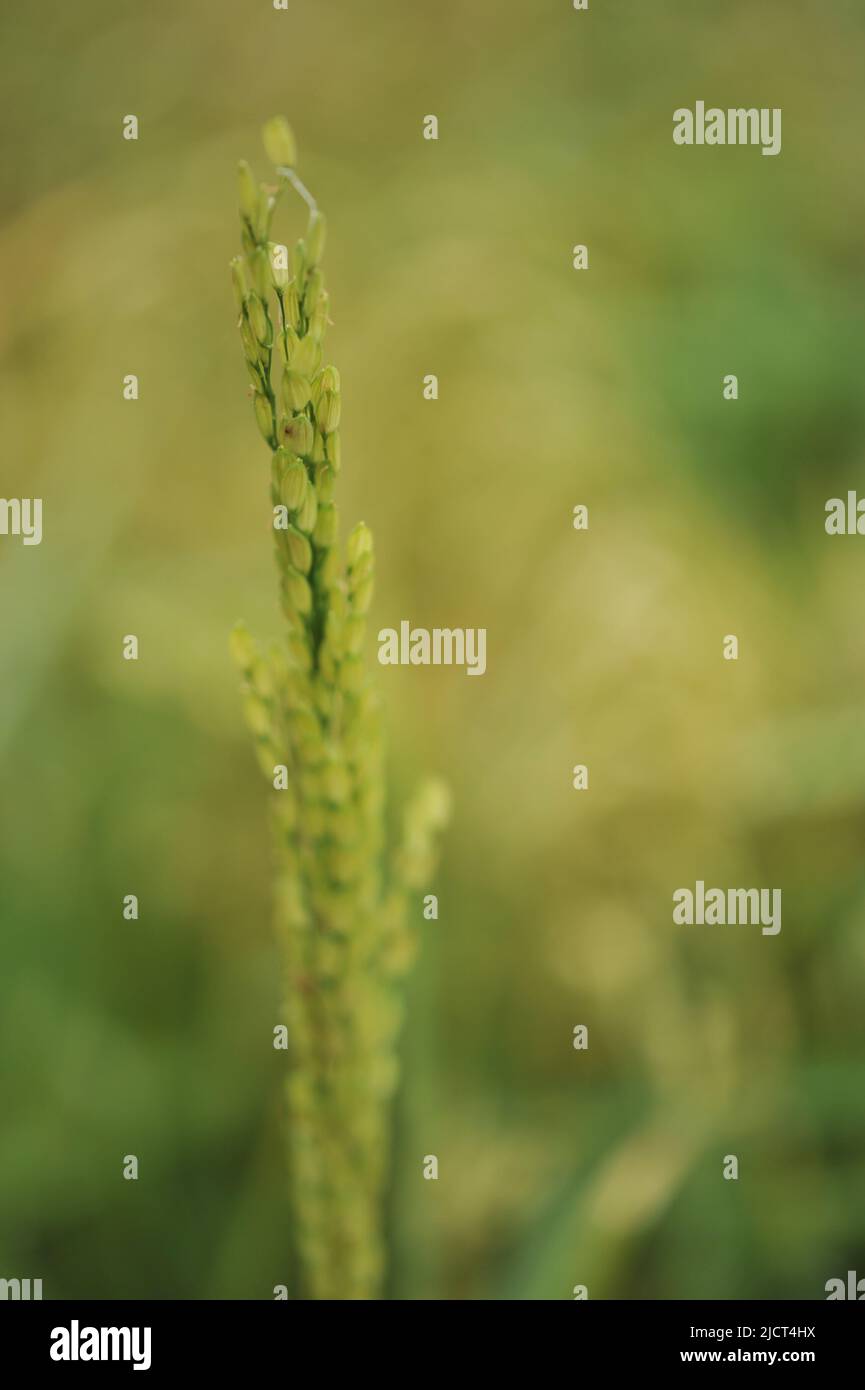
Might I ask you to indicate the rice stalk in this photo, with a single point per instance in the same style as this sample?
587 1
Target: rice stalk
345 933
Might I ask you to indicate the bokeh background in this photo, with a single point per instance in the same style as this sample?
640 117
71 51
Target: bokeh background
706 518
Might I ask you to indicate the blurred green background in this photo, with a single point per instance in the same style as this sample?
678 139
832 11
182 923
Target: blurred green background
557 387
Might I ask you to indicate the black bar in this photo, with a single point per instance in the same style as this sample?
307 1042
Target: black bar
231 1338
